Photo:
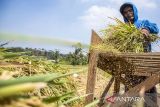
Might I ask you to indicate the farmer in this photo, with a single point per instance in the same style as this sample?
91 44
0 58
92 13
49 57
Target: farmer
130 15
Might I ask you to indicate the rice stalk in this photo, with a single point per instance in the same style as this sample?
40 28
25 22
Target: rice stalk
16 89
124 37
35 78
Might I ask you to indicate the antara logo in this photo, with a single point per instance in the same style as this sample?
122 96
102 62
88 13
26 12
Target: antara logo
112 99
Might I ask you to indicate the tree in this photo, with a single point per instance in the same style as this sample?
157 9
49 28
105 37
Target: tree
56 56
77 57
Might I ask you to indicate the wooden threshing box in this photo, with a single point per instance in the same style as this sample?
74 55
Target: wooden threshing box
120 66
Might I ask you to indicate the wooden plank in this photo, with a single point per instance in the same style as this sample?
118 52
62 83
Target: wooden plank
142 53
143 60
101 103
157 54
138 56
148 84
142 57
130 59
135 54
95 39
147 65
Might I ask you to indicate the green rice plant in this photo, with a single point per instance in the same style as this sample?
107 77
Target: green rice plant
36 78
58 98
78 100
19 88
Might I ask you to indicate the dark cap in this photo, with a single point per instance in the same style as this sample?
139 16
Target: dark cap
124 6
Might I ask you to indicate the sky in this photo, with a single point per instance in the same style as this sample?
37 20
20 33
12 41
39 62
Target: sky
68 20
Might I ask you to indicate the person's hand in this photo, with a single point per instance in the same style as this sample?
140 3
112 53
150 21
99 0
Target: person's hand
146 33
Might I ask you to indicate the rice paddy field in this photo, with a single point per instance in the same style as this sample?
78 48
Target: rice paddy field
31 81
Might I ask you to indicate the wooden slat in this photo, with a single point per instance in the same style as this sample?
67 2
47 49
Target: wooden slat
142 57
95 39
150 70
142 60
101 103
141 54
152 63
138 56
147 65
150 54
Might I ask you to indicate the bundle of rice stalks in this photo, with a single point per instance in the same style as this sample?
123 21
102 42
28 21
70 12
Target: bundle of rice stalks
125 37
